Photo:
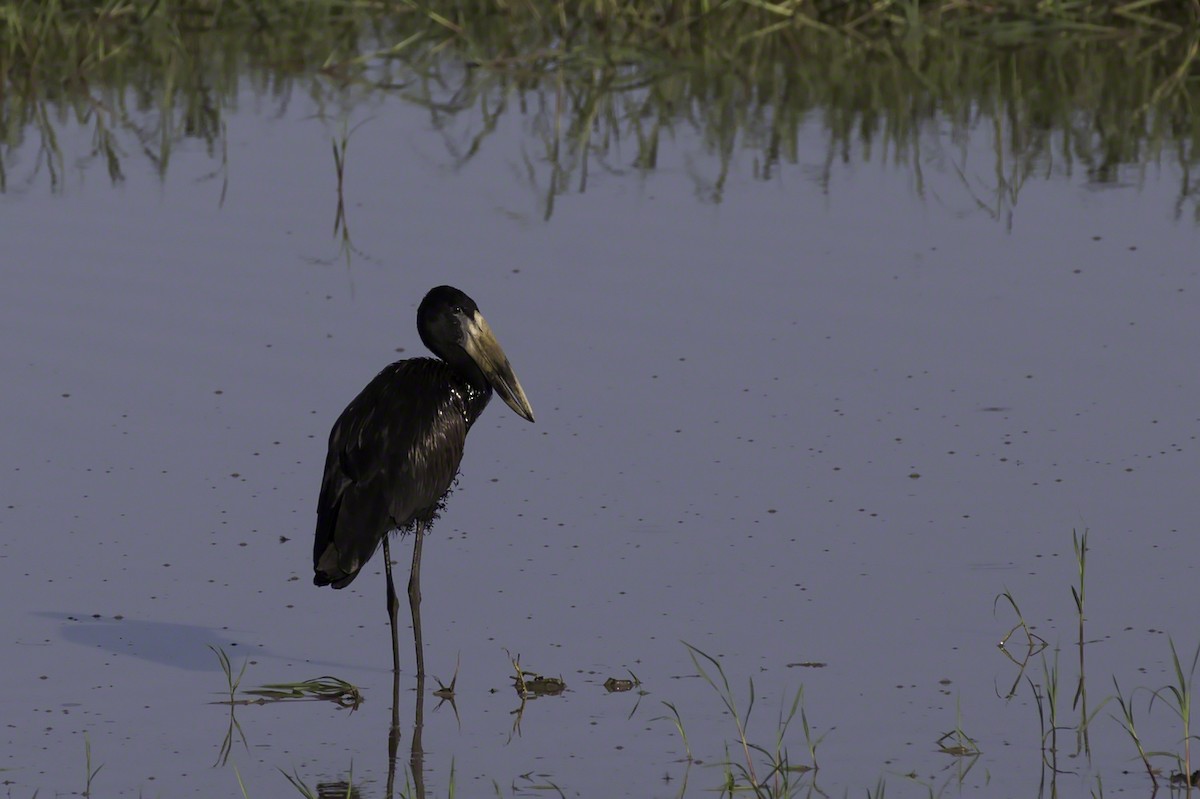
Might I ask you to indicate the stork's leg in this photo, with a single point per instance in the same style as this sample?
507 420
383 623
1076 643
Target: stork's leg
393 604
414 598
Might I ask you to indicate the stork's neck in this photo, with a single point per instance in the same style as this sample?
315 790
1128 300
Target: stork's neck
472 399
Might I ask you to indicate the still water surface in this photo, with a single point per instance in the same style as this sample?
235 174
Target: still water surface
822 421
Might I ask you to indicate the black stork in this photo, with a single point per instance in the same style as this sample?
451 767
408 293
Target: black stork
394 452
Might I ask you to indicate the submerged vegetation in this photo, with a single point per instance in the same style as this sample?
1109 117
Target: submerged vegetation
1102 89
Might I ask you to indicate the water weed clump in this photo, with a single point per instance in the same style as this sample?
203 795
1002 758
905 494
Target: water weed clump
319 689
957 743
330 689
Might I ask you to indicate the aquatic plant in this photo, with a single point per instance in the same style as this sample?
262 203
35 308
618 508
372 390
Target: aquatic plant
778 774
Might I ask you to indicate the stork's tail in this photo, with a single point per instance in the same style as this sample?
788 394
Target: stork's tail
328 570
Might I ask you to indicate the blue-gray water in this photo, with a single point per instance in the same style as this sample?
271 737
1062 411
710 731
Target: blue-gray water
814 422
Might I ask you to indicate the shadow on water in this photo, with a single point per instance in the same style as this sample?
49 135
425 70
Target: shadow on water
181 646
601 95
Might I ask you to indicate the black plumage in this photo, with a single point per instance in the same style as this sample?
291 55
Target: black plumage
393 454
395 450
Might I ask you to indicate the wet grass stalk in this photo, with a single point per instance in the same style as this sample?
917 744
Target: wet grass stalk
241 785
444 691
324 791
777 781
538 788
729 783
1179 698
89 772
301 786
809 741
339 168
677 720
227 743
1034 643
234 725
683 781
227 667
1127 723
1039 702
779 755
341 224
1050 686
341 228
727 697
1079 542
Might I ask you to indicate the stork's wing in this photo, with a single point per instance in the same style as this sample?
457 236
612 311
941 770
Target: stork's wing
393 454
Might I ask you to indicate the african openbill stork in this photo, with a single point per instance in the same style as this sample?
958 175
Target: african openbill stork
395 451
